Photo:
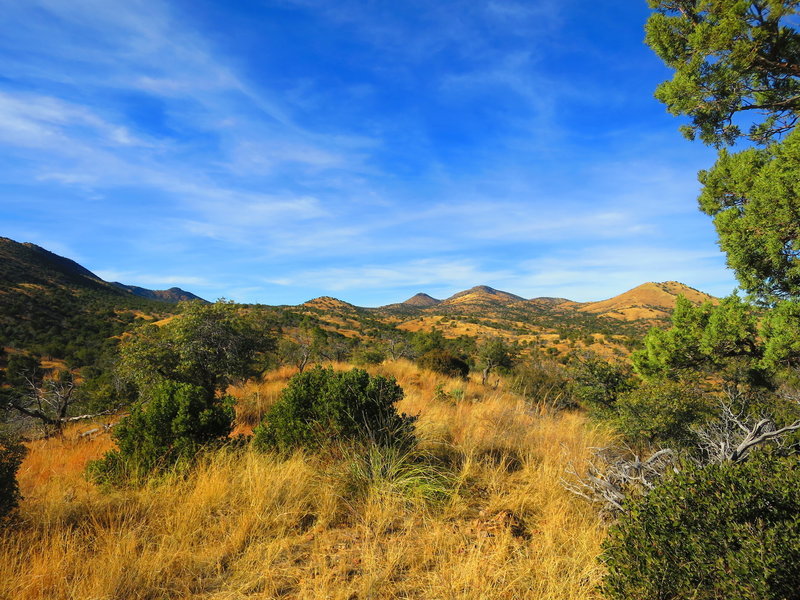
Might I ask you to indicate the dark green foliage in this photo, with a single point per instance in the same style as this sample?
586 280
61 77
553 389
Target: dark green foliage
754 198
23 368
209 345
11 454
368 355
714 533
729 57
175 422
543 381
661 413
599 383
741 59
704 339
780 330
442 361
496 354
323 405
423 342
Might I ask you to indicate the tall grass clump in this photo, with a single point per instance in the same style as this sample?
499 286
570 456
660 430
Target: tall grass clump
403 474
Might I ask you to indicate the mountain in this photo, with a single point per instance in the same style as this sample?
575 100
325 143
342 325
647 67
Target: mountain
328 303
482 294
53 307
26 265
173 294
649 301
421 301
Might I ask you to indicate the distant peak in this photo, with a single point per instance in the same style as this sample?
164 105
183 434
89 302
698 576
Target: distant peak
481 291
421 300
326 302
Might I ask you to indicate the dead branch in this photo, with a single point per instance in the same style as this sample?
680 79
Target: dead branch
613 473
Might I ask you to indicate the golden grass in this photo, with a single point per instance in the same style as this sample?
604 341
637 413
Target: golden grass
249 525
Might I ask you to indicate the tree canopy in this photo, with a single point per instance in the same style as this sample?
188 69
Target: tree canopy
207 345
730 59
737 76
754 198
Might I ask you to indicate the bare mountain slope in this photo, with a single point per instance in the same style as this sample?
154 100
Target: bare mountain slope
645 302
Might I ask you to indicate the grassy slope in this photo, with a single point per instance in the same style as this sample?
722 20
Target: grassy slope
260 526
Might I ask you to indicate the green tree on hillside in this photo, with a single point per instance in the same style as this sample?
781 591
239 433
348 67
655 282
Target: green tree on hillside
323 405
171 425
703 339
495 354
11 454
207 345
728 530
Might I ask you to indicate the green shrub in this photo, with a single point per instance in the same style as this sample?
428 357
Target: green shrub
368 356
545 382
599 383
662 412
323 405
11 455
171 426
442 361
714 533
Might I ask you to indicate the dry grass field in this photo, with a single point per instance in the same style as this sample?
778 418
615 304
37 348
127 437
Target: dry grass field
476 512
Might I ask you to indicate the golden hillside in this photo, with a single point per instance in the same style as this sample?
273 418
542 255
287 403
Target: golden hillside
649 301
343 525
482 294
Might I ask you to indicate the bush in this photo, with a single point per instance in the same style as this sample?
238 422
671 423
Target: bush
322 405
545 382
171 426
442 361
600 383
11 455
663 412
368 356
719 532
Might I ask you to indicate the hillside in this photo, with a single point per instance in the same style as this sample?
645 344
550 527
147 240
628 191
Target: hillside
609 327
263 525
53 307
649 301
24 266
482 295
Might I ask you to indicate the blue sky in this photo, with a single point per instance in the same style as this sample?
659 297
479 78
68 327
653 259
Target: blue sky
276 150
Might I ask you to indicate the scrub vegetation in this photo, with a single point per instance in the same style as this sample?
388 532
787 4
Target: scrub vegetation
482 446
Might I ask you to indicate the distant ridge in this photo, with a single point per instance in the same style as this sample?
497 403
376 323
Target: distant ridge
173 294
29 264
327 303
648 304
